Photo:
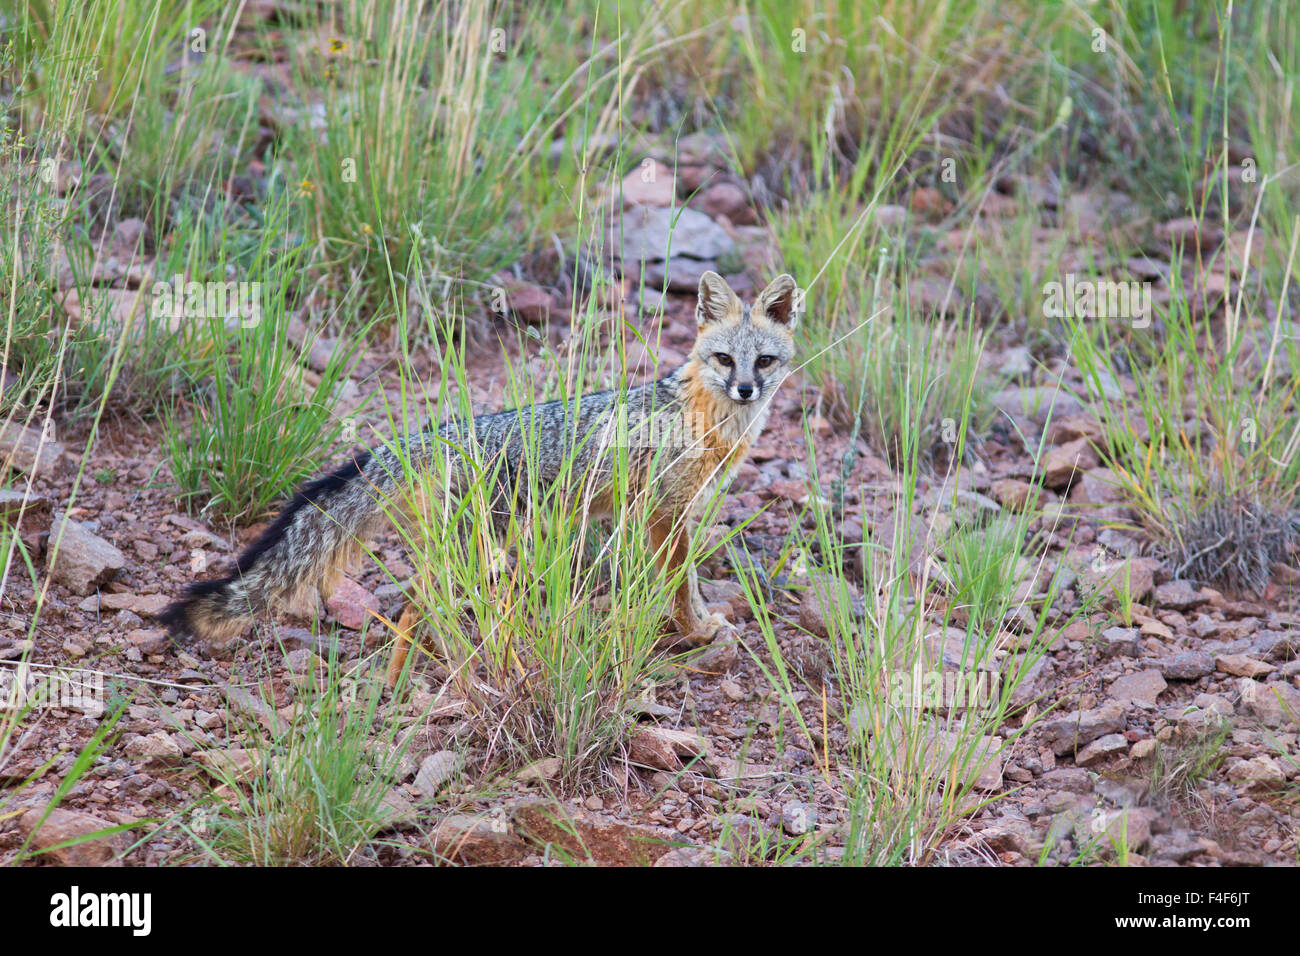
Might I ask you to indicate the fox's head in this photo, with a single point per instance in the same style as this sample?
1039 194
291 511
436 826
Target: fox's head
745 351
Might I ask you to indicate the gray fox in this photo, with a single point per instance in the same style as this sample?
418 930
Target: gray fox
709 411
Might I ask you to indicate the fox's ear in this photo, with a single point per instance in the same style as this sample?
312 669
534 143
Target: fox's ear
779 299
717 301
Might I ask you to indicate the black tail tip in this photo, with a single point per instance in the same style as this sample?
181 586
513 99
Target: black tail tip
183 617
175 617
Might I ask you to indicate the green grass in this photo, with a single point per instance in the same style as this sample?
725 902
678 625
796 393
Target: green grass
315 788
1206 451
868 74
985 564
433 152
1179 768
262 424
902 370
910 770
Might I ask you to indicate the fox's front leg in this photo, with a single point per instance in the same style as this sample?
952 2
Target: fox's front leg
402 643
671 542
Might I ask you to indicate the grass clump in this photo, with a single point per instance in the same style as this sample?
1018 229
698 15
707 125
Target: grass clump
1207 449
914 765
314 788
264 422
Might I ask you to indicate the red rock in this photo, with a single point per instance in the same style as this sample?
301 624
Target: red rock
350 604
64 825
664 748
650 183
729 200
1064 460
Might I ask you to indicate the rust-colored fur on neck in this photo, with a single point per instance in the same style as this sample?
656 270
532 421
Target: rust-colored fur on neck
717 443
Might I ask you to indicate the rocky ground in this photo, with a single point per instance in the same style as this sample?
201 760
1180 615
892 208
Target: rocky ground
717 761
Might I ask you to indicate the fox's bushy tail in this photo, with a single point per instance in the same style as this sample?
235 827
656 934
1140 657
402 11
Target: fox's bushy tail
317 535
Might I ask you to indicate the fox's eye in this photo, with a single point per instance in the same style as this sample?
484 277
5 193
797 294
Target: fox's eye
764 361
723 359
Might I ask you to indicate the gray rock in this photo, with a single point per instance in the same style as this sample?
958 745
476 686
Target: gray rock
1276 704
1016 362
1143 687
1033 680
1098 486
1215 703
974 760
1035 402
84 561
1195 722
692 856
1179 595
719 656
681 274
301 661
798 818
1068 779
1190 665
248 704
158 749
30 450
1101 748
1119 641
1109 576
1205 626
1277 645
1178 846
435 770
651 234
1132 827
1081 728
397 811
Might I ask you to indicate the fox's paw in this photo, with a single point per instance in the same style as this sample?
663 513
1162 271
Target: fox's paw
710 629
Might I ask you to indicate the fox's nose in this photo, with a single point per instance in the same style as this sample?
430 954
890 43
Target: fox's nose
745 391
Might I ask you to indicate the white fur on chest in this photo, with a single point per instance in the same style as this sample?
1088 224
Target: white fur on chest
745 423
